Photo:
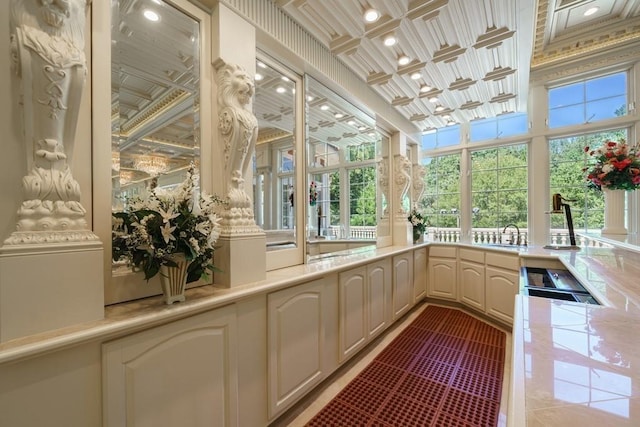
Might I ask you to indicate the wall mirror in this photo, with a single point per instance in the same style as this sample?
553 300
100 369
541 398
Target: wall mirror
155 86
275 158
343 147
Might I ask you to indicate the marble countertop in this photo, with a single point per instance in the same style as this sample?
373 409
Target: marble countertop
574 365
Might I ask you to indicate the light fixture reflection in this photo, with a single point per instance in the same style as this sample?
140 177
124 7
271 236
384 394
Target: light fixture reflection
152 165
115 161
371 15
151 15
591 11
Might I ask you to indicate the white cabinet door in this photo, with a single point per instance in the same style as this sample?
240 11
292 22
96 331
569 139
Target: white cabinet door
442 278
402 283
296 343
180 374
353 302
379 287
419 274
472 287
501 288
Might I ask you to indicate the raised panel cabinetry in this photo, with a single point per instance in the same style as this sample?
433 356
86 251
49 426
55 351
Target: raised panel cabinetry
472 278
296 343
364 308
419 274
402 272
183 373
502 280
443 277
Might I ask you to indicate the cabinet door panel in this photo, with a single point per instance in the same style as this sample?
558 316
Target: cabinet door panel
419 274
472 287
296 343
502 287
402 283
442 278
353 313
184 373
379 277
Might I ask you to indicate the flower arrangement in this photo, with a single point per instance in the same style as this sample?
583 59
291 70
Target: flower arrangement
417 221
313 193
166 223
616 167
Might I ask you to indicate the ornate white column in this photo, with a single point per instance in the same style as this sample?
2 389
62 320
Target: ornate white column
234 62
51 265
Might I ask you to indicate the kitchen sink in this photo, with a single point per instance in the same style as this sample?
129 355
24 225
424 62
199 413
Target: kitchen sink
555 284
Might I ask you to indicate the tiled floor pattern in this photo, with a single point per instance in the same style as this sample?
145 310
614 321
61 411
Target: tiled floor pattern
444 369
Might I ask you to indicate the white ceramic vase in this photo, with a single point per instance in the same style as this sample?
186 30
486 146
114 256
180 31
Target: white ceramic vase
174 279
614 212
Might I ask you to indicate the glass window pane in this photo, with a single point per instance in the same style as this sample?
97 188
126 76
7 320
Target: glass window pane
512 124
606 108
604 87
429 140
484 129
565 116
566 95
448 136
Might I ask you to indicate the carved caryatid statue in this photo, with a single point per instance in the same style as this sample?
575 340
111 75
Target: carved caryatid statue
47 53
239 131
402 180
417 182
383 182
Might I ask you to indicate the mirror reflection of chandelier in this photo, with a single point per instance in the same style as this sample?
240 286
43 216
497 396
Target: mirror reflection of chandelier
115 161
152 165
126 177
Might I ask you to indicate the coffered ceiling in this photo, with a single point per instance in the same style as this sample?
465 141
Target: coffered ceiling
475 56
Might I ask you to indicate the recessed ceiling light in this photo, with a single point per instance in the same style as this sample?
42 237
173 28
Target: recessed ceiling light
371 15
258 76
324 107
338 115
285 78
310 98
425 88
280 89
591 11
390 40
157 1
446 117
362 127
351 122
261 65
451 123
416 76
403 60
433 99
439 108
151 15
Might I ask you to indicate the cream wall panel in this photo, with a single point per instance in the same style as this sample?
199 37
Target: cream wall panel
55 389
183 373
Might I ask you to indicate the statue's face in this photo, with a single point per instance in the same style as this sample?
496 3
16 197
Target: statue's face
55 12
244 85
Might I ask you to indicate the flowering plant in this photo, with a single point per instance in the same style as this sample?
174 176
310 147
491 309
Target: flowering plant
417 221
617 166
153 230
313 193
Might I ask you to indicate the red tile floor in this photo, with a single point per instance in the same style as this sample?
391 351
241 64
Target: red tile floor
444 369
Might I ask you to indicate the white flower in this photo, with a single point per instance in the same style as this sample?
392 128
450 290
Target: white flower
166 230
607 168
168 215
194 244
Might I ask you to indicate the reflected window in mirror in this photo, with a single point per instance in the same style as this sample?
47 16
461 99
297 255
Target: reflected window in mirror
275 164
342 167
155 86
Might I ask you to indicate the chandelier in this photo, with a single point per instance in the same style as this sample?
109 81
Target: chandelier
115 161
153 166
126 177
